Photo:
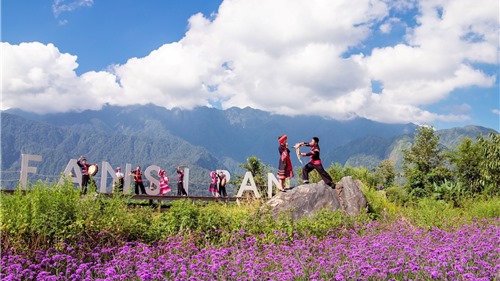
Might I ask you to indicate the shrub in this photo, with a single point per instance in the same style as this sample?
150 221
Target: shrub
40 216
379 206
57 216
398 195
482 208
427 212
450 192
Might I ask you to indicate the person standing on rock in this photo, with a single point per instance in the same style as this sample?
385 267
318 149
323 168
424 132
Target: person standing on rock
285 169
314 162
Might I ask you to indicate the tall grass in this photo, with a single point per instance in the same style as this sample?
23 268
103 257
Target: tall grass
53 215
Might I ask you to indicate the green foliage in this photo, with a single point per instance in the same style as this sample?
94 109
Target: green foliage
336 172
56 215
431 213
325 222
482 208
379 206
466 160
182 217
450 192
490 164
398 195
45 213
362 174
385 173
424 163
476 165
49 213
428 212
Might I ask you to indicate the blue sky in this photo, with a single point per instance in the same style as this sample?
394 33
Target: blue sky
433 62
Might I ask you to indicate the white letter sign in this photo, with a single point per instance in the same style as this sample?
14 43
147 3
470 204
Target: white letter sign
25 168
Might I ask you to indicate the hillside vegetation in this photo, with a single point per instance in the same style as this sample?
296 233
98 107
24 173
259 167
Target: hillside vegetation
449 204
203 139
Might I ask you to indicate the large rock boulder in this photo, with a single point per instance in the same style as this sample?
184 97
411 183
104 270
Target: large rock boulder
350 195
306 199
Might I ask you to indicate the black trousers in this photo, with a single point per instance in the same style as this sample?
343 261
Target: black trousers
324 174
85 182
180 189
139 184
222 190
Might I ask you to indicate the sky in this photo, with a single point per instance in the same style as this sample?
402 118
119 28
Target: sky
428 62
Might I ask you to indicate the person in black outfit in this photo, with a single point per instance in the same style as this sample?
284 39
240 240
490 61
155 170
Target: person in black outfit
180 185
222 183
86 179
314 163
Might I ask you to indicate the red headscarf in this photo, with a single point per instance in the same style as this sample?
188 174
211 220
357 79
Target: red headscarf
282 139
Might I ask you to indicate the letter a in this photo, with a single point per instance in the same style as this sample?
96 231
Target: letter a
244 185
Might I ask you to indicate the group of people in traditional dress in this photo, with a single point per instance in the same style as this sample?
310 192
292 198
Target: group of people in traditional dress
164 181
218 181
218 184
285 169
139 188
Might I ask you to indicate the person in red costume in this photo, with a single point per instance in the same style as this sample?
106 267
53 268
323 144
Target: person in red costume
138 180
285 169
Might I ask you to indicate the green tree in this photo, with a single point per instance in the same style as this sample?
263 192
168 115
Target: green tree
386 173
466 160
361 173
424 163
489 150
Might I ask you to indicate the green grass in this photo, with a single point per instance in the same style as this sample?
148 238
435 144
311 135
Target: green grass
51 215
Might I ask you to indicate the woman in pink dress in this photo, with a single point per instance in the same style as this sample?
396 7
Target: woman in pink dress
164 188
213 184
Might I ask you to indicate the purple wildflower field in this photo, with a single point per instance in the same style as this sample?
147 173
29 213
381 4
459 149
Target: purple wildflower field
374 252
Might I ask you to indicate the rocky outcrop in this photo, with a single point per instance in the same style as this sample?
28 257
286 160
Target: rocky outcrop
350 195
306 199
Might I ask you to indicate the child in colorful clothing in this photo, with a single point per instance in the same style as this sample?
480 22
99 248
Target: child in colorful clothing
213 185
164 188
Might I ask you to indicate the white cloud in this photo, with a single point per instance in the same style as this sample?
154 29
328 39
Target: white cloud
386 26
40 79
60 6
281 56
496 111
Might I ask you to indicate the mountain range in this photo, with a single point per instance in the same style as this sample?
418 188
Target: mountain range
204 139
